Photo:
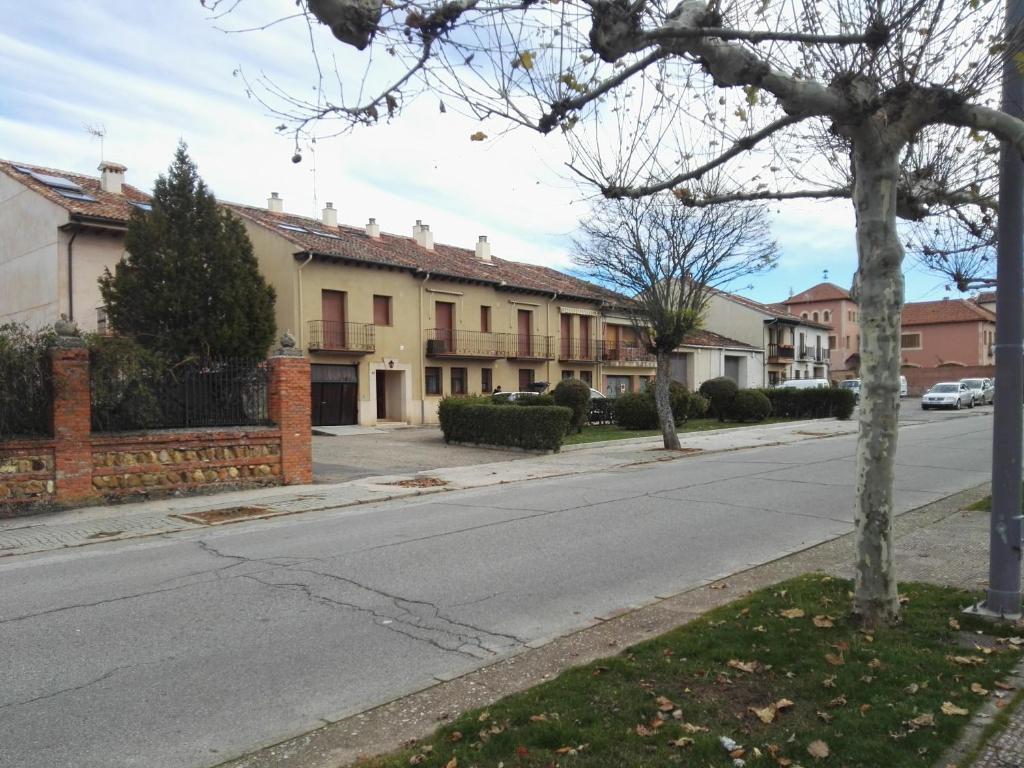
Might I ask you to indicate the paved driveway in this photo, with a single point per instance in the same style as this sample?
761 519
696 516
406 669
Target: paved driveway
395 451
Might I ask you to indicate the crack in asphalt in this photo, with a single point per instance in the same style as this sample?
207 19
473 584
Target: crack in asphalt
62 691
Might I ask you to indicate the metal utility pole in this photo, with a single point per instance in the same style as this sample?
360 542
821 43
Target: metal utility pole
1004 590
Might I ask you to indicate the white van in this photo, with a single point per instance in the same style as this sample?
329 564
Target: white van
806 383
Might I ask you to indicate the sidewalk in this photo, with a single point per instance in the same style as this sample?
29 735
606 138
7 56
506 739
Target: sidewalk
89 525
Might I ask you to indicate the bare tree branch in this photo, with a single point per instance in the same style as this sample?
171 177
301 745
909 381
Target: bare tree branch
746 197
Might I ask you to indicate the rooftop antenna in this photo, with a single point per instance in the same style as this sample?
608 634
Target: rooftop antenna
97 131
824 275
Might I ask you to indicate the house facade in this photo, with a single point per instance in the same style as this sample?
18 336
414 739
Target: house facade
831 305
794 348
59 232
949 332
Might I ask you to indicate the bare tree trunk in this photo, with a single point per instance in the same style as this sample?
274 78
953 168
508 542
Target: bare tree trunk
879 293
662 381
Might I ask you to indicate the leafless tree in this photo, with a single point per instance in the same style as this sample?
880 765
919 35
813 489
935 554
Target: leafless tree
670 259
782 98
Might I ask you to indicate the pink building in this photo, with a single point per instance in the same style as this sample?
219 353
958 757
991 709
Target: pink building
949 332
829 304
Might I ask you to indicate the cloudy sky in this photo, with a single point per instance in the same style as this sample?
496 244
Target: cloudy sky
153 73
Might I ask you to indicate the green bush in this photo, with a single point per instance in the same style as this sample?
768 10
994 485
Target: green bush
467 420
574 395
525 401
720 393
697 406
811 403
25 384
636 410
750 405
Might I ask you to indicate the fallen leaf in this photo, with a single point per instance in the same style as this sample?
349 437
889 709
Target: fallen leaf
926 720
565 751
976 688
682 742
737 753
722 585
541 718
823 622
1002 703
967 661
522 751
643 731
818 749
765 714
835 659
453 763
864 709
838 701
1016 641
691 728
664 704
456 736
842 645
782 704
954 624
875 664
912 689
824 716
792 613
417 759
949 708
1003 686
829 682
743 666
760 628
484 717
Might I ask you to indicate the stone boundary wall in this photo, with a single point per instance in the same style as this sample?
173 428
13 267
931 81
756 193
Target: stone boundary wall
920 380
76 467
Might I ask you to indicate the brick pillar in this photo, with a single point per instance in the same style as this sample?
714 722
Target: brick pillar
290 410
71 420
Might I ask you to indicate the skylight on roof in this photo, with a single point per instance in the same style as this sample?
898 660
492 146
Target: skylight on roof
325 234
56 182
143 206
73 195
292 228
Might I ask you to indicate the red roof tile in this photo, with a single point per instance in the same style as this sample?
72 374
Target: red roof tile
945 311
819 292
704 338
108 207
353 244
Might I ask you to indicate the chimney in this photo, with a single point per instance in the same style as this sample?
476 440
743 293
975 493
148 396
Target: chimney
373 229
275 203
423 236
483 249
330 216
111 177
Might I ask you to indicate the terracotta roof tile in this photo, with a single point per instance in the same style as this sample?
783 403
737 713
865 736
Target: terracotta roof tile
116 209
945 311
819 292
704 338
354 244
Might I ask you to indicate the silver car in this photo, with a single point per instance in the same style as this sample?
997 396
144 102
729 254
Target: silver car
981 389
948 394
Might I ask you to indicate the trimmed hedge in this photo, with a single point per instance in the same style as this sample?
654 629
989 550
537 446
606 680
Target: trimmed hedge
467 420
811 403
637 410
750 405
720 393
533 400
574 395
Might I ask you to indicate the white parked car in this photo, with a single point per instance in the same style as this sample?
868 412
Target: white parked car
806 383
854 386
948 394
511 397
981 389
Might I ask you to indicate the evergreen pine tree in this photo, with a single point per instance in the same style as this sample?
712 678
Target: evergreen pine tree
189 285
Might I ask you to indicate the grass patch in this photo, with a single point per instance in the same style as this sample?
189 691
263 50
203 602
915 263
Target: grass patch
593 433
985 505
873 700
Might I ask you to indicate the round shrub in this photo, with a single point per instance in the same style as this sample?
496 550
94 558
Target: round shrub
537 400
697 406
750 405
720 393
574 395
634 410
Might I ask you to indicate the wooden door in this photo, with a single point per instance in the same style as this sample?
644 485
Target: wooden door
584 338
444 318
525 319
566 337
612 340
382 388
332 312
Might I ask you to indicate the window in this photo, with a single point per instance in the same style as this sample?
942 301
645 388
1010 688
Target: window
645 383
525 379
568 375
486 380
458 381
910 341
773 378
101 320
826 316
815 317
804 315
382 310
485 319
847 342
433 381
588 377
831 342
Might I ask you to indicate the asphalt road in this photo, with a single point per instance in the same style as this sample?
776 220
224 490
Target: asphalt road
192 648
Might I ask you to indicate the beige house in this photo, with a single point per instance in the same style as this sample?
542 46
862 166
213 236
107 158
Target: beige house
393 323
58 231
794 347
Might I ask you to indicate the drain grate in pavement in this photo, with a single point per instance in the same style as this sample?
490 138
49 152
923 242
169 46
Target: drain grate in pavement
421 482
225 515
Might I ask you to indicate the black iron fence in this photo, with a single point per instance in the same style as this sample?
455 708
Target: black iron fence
781 352
626 353
26 400
215 393
579 350
335 336
448 342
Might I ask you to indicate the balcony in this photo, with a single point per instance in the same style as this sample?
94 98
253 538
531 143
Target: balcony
780 353
444 342
522 346
334 336
579 350
626 354
813 354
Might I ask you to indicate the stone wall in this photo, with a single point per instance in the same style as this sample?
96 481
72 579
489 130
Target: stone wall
76 467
